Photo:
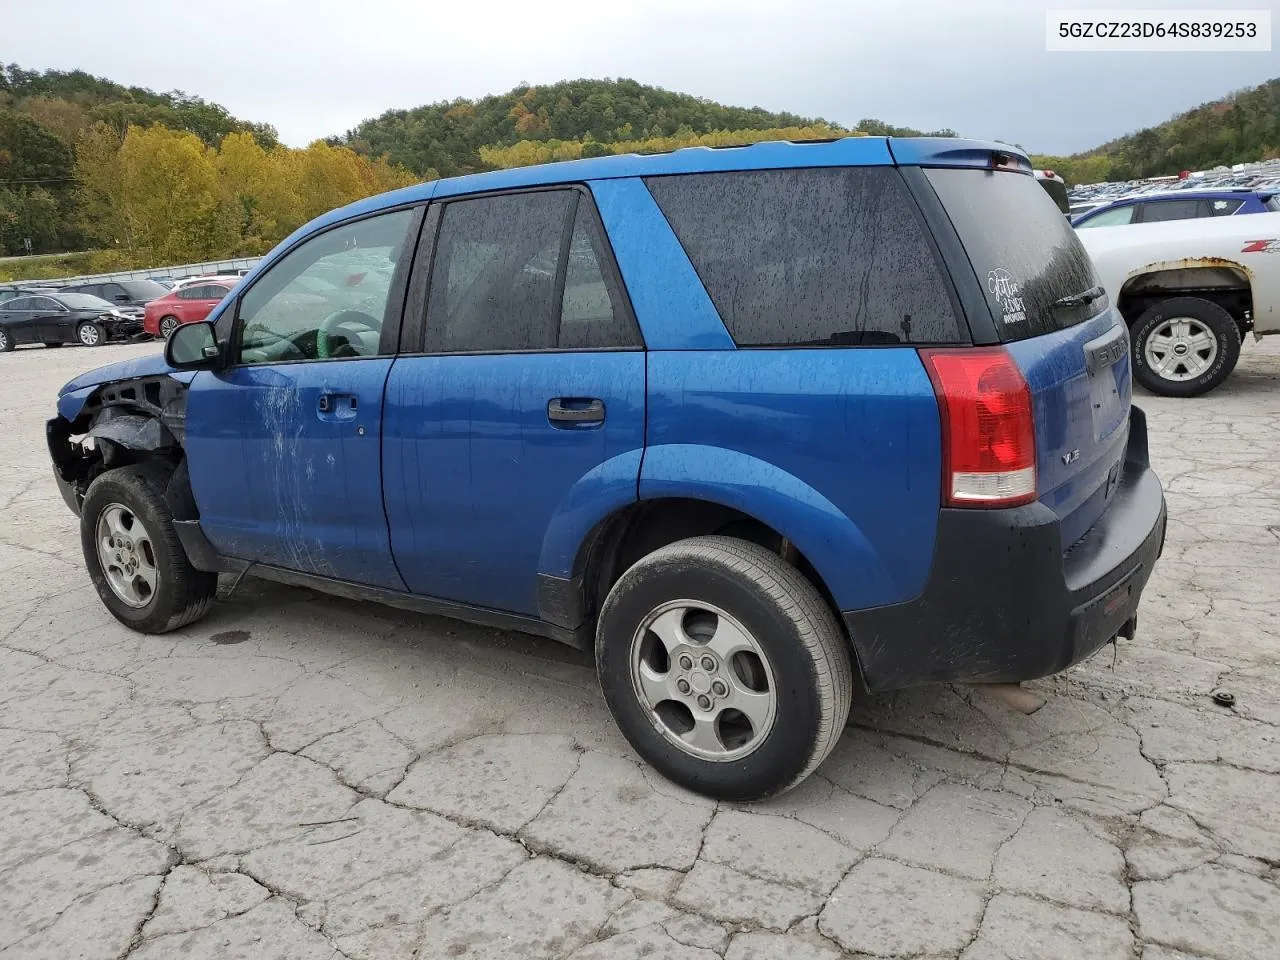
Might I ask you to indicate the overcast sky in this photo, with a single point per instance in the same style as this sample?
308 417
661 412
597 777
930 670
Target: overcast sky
318 67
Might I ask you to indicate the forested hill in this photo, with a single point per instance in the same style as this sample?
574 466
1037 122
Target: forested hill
1240 128
69 103
564 120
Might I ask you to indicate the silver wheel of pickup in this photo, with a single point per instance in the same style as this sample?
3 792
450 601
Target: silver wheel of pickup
1180 348
127 555
704 679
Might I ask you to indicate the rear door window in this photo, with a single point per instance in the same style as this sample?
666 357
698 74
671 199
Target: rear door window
1161 211
813 257
522 272
1023 250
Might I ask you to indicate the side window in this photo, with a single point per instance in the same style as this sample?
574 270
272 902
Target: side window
1161 211
1224 208
493 281
45 305
113 292
809 257
593 312
326 298
188 293
20 304
1114 217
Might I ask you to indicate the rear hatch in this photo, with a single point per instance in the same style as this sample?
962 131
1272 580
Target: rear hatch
1069 342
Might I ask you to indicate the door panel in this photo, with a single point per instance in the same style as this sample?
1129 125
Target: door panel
284 446
476 469
284 477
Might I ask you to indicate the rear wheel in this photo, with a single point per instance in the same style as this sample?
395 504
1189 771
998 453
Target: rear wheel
134 557
90 334
167 326
724 667
6 341
1184 347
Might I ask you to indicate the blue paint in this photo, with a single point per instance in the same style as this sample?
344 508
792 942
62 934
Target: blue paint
76 391
839 450
477 476
670 302
278 481
1064 398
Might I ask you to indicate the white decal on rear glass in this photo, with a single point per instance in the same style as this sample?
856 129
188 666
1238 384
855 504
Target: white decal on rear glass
1006 290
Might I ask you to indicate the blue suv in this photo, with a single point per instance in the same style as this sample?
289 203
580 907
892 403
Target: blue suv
753 424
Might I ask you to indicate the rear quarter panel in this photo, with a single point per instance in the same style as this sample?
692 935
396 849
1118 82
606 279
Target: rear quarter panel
1250 243
839 450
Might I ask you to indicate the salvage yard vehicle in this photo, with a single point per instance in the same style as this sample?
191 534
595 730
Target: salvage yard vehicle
1190 290
185 304
752 424
57 318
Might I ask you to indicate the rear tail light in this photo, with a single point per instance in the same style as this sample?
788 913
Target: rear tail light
988 427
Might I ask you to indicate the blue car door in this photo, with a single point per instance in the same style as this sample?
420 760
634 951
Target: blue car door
283 443
524 407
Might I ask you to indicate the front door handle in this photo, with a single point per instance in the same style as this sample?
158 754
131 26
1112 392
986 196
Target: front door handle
337 406
572 410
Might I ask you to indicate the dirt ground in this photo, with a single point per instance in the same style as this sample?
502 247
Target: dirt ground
303 777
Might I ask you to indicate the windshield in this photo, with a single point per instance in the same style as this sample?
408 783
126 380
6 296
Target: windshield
1023 249
143 289
84 301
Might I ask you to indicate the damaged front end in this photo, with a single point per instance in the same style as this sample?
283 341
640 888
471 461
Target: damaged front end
122 423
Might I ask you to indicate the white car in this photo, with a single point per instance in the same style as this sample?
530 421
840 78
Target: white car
1190 290
190 281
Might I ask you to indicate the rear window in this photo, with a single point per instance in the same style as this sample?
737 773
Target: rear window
812 257
143 289
1272 202
1024 251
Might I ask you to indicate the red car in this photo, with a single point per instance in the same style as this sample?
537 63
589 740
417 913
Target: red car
185 305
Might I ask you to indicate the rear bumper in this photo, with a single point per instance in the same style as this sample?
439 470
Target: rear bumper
1003 603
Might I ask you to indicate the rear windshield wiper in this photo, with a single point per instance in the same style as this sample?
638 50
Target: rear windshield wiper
1082 299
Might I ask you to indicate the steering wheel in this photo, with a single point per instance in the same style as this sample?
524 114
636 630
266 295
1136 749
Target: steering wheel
350 320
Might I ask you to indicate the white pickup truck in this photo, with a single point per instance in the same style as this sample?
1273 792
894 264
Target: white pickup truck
1190 290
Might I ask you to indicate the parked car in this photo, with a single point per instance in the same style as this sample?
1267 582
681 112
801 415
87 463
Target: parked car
1179 205
57 318
122 293
732 419
185 304
203 278
11 293
1190 291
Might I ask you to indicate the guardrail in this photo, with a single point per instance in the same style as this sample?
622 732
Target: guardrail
234 265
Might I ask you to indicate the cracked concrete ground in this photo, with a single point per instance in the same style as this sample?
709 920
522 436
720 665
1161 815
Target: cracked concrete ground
302 777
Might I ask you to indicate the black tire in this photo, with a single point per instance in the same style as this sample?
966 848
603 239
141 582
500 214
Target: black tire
172 323
183 594
1223 327
6 341
799 634
98 337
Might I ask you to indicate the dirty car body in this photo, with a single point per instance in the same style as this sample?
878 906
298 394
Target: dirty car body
750 423
1222 275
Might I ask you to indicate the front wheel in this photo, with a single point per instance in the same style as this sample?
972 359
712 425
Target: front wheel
6 341
90 334
724 667
134 557
1184 346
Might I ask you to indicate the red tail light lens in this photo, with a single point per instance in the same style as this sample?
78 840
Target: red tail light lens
988 427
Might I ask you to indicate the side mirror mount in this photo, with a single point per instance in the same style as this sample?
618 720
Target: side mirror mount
193 346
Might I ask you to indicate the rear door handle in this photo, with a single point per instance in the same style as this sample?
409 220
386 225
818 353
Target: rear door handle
571 410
